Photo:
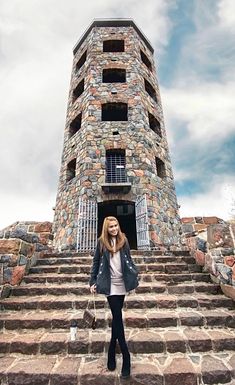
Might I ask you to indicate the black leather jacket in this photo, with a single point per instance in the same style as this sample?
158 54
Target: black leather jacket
100 271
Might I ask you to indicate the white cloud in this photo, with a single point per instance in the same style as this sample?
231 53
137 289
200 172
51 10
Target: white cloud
218 200
226 13
206 109
16 207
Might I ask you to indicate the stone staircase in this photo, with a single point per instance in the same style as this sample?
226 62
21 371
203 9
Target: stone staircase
179 327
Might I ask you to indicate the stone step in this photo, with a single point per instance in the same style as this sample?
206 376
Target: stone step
96 341
143 277
133 301
171 267
133 318
144 287
184 252
136 258
157 369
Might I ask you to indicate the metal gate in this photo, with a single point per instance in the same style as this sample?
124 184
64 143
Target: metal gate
87 225
142 231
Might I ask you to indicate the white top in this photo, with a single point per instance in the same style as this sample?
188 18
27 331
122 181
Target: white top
117 283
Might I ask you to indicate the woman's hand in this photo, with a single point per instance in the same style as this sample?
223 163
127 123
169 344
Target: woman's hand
93 289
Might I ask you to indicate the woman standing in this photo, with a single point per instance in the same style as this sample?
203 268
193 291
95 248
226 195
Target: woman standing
114 274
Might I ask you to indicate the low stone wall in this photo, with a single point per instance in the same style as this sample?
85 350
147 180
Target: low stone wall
213 248
21 244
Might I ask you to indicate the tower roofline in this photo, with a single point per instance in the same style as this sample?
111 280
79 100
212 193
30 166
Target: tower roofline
112 23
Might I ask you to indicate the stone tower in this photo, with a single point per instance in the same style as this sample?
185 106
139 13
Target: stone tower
115 157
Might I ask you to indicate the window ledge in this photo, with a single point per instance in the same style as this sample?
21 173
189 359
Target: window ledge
122 187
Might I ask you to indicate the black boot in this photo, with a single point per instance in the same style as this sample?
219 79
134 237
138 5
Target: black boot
126 365
111 364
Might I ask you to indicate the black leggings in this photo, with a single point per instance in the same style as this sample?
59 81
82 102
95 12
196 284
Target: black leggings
116 304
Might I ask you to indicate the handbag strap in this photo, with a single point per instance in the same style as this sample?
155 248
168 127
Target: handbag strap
94 304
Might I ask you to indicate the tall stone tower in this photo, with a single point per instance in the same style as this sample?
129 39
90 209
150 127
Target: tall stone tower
115 157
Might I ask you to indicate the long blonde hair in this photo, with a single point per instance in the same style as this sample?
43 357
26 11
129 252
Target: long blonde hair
106 238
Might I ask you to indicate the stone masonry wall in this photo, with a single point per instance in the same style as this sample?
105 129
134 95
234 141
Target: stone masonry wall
141 144
20 246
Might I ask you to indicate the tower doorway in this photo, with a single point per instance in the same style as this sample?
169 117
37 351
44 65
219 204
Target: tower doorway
124 211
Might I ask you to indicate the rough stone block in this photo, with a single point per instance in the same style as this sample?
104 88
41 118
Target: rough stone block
222 340
9 246
55 343
22 234
79 346
191 319
18 273
219 236
94 372
98 342
5 291
44 238
200 227
175 342
44 227
66 372
198 220
187 228
210 220
25 344
26 249
23 260
188 220
180 371
7 275
159 319
37 373
199 257
146 342
145 373
214 371
198 340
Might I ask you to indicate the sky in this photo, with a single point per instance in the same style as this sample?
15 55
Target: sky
194 49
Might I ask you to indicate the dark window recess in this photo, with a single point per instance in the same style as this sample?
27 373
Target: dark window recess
78 90
81 61
114 75
113 46
154 124
150 90
71 170
146 60
115 166
75 125
161 170
114 112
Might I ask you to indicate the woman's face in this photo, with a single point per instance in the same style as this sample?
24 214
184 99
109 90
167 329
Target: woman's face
113 228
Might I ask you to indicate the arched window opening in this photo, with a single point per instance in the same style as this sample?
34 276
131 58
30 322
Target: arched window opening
150 90
113 46
154 124
71 170
78 90
114 112
160 166
146 60
114 75
75 125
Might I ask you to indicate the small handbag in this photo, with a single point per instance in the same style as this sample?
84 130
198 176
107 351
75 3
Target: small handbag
89 317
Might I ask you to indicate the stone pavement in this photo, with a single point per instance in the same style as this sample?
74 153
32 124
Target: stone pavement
179 326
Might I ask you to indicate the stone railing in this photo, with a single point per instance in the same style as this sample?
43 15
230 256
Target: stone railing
213 246
21 244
